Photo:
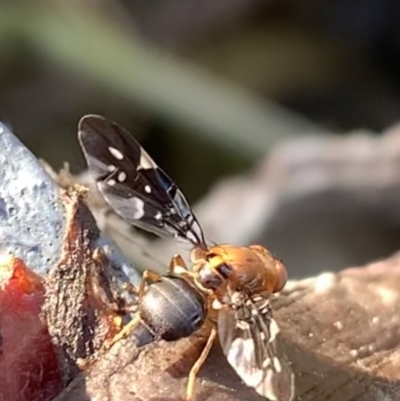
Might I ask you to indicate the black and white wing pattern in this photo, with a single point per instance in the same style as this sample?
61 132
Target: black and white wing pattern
248 336
132 183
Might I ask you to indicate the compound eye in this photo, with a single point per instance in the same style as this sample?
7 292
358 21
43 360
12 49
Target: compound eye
209 280
224 270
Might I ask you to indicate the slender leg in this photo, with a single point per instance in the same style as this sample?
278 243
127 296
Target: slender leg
198 255
122 334
177 267
176 263
199 363
148 275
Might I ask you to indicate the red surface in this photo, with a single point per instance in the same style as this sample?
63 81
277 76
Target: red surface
28 365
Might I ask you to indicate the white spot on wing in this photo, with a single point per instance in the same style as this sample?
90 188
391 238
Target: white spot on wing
138 207
267 363
115 153
241 350
147 188
273 330
111 168
121 176
241 357
242 325
158 216
277 365
273 380
111 182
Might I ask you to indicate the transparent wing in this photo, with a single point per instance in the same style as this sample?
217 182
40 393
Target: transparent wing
248 336
132 183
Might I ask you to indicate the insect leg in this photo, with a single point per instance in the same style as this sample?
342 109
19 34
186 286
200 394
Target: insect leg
177 267
176 263
199 363
148 275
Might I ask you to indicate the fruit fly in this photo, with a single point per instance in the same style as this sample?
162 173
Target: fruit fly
233 283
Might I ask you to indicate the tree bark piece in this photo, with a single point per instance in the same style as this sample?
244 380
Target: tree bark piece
82 300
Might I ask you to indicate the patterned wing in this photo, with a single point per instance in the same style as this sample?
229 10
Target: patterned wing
132 183
248 336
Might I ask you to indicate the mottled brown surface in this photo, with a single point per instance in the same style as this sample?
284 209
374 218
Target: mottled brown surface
80 301
341 332
344 332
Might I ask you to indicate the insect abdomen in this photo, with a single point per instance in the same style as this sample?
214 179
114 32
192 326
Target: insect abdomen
170 309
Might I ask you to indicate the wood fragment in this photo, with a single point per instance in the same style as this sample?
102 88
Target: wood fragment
81 300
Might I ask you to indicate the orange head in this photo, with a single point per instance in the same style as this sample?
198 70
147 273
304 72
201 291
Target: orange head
251 269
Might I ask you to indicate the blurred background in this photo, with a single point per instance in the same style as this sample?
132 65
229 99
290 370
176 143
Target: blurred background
267 92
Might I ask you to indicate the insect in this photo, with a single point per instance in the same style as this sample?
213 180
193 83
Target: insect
234 281
170 309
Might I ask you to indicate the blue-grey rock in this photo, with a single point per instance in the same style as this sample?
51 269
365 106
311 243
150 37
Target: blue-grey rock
32 221
32 216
